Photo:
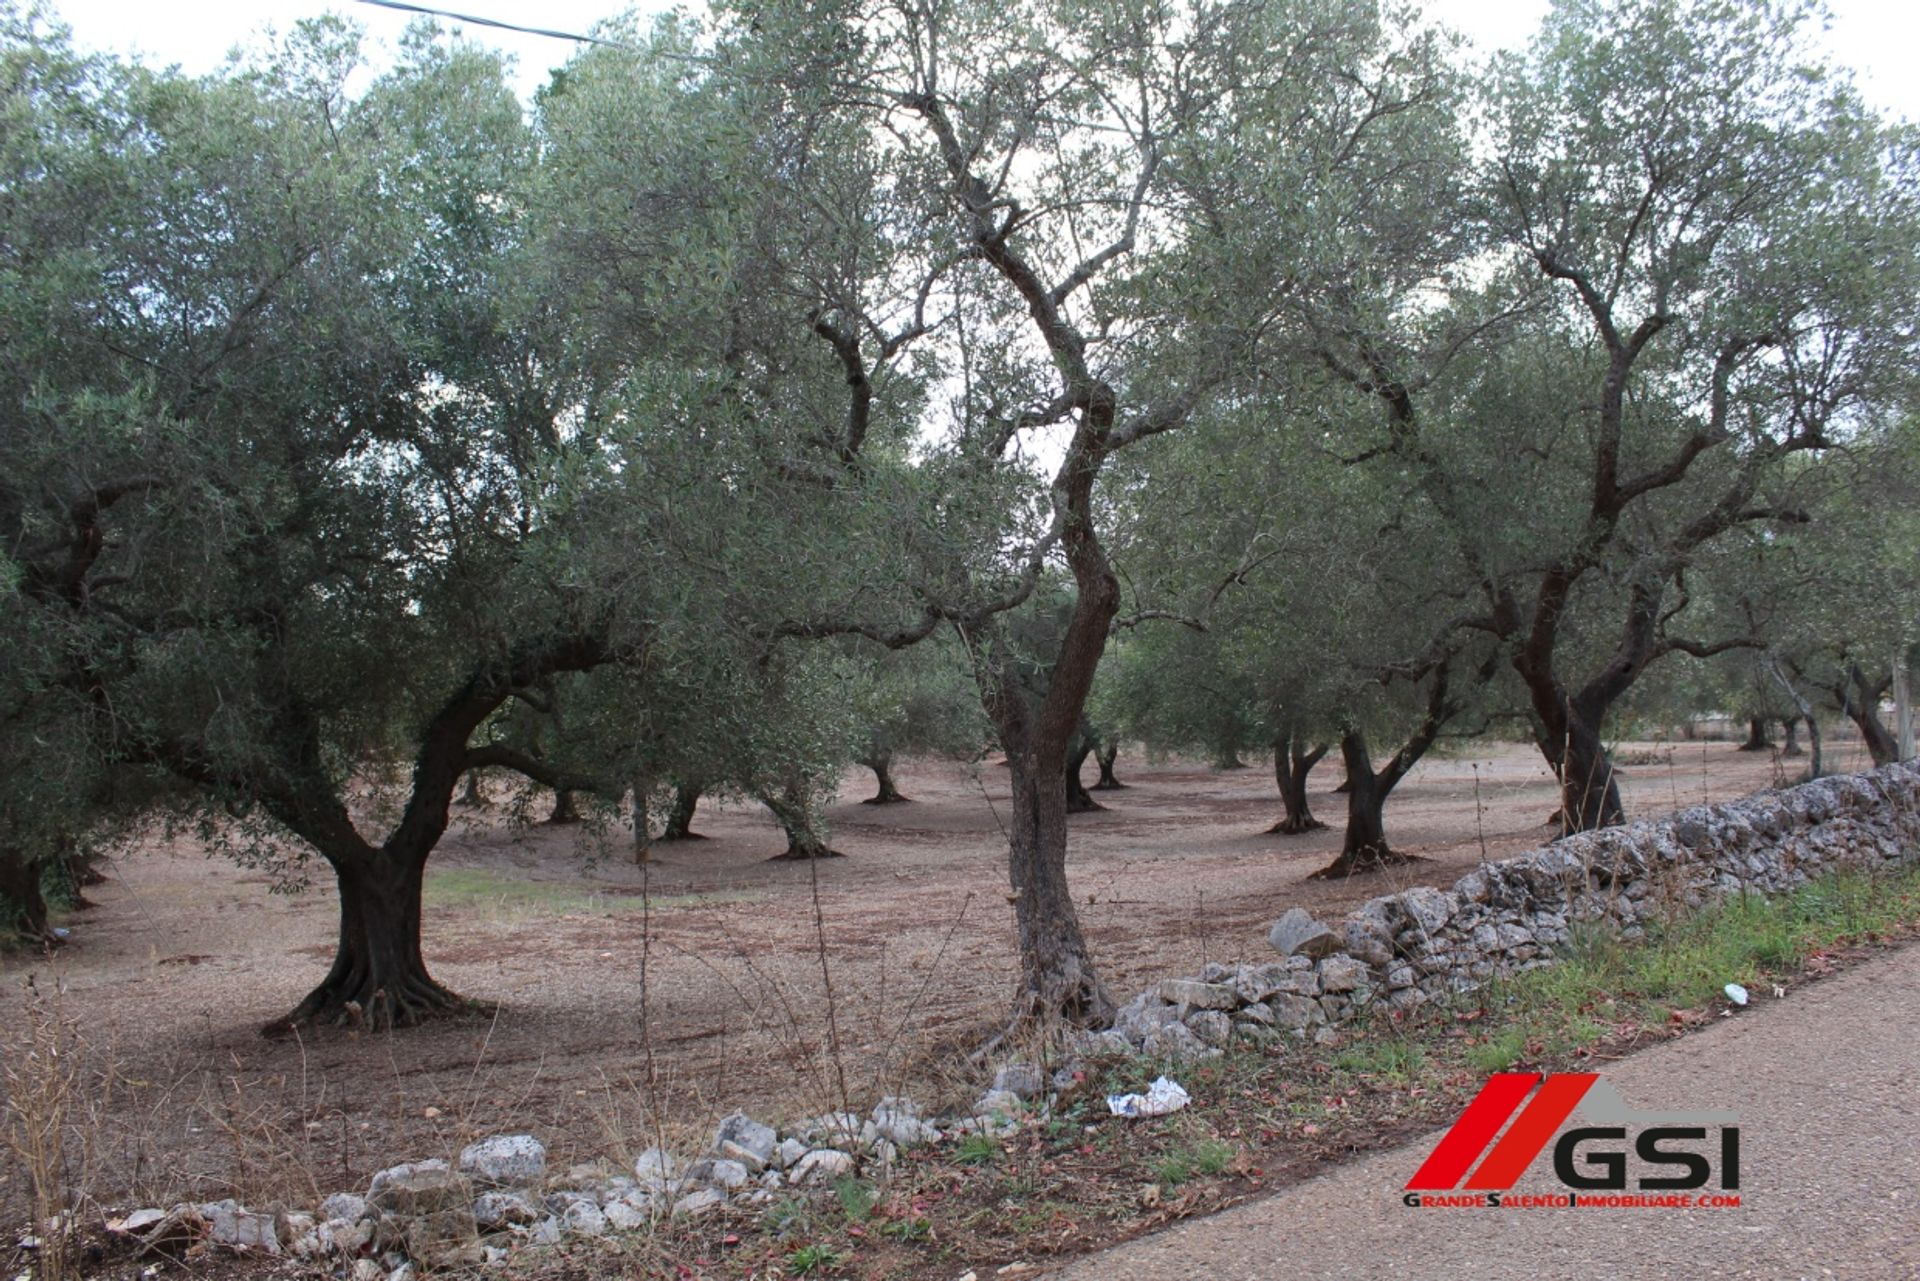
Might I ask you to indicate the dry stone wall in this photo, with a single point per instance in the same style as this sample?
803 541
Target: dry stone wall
1411 947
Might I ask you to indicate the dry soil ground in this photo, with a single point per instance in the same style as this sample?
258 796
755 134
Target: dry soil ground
630 998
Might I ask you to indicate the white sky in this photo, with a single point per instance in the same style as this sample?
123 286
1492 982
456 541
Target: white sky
1874 37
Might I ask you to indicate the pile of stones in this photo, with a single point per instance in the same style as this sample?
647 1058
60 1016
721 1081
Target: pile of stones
1504 917
499 1195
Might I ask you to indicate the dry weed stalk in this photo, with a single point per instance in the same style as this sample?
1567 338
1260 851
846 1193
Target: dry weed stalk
55 1105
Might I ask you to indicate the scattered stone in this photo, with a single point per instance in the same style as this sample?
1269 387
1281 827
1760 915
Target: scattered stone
822 1165
584 1218
492 1210
656 1169
233 1227
719 1173
899 1121
625 1216
506 1160
789 1152
999 1104
743 1139
419 1187
1296 933
368 1270
703 1200
1022 1080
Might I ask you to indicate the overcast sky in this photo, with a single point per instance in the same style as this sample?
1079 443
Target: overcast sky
1876 38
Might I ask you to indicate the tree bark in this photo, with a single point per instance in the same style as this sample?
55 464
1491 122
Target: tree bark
796 819
1228 758
379 979
1105 756
1079 800
882 766
1589 786
1757 740
1790 745
642 821
679 824
564 809
23 906
1860 700
1364 846
1057 978
473 797
1293 761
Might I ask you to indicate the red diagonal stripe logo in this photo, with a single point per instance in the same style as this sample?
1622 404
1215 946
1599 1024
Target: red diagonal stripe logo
1474 1130
1531 1130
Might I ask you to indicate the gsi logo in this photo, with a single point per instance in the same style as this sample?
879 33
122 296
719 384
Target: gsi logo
1583 1158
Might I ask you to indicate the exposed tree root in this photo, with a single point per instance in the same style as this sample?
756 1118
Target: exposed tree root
1296 826
801 854
407 1001
1361 862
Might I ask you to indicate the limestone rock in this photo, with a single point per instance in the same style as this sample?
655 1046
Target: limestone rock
419 1187
1023 1080
493 1210
701 1201
743 1139
1199 995
822 1165
1296 933
1341 974
506 1160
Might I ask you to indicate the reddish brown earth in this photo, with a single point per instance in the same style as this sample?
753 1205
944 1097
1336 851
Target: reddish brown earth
631 997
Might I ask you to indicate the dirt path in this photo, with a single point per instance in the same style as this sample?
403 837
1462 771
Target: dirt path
187 955
1830 1186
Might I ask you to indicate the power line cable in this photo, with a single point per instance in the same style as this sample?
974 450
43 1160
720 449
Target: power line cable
494 22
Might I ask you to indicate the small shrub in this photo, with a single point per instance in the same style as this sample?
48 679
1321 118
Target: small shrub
977 1149
809 1259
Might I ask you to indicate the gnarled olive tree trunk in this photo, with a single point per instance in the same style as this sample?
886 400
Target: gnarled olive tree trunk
1293 761
881 763
797 819
679 824
1108 752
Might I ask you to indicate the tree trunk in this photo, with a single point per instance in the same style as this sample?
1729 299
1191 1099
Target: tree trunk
1079 800
796 819
379 979
1057 979
679 824
1589 787
642 823
564 809
1228 758
1291 766
1757 740
1104 757
23 906
473 797
1364 847
882 767
1861 702
1790 745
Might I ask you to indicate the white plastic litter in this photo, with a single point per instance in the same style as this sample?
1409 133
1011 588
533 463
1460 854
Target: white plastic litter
1736 994
1162 1097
